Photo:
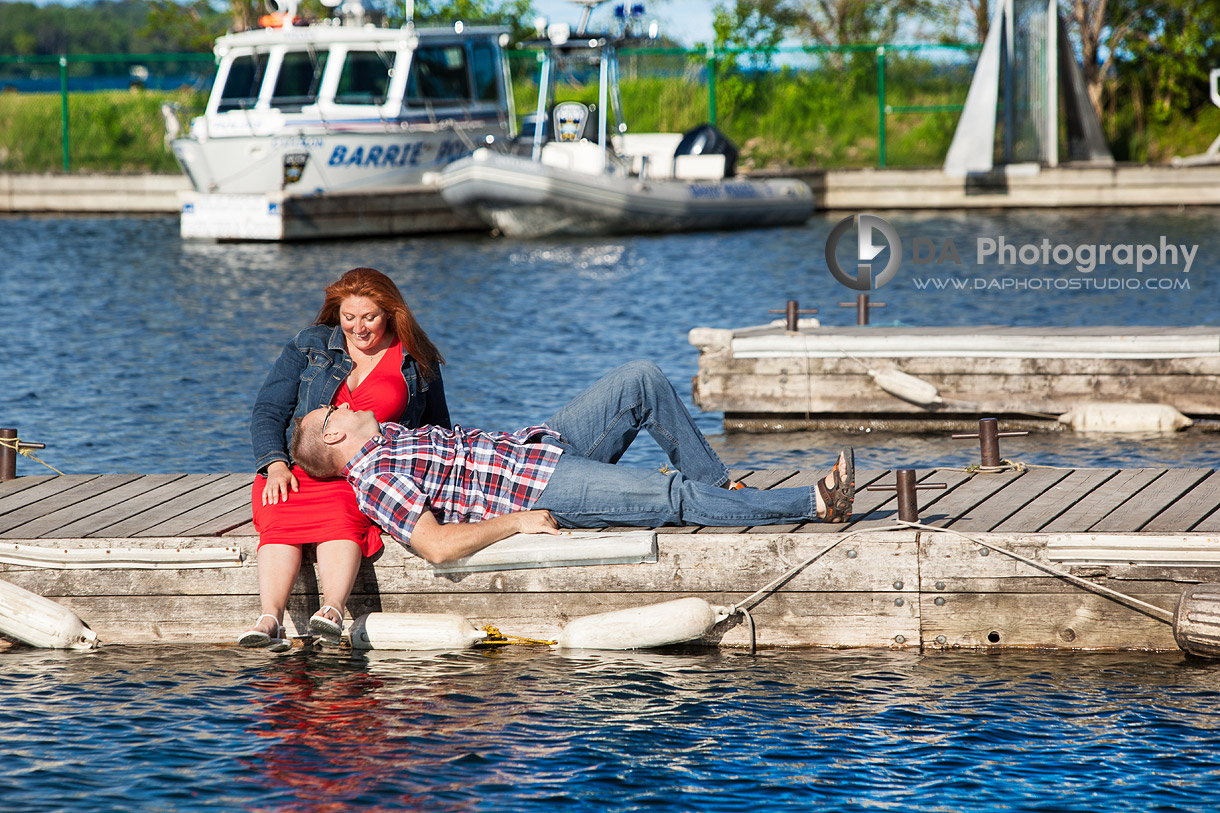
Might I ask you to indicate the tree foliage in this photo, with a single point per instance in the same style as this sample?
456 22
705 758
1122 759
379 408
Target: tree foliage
1167 51
168 26
823 22
101 27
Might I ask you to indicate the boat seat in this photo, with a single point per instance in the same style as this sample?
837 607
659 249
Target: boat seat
577 156
699 167
657 149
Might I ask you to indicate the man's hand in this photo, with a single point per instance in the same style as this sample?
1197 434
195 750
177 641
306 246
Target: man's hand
279 480
536 522
443 543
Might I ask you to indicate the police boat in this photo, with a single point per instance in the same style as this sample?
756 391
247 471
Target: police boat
315 129
572 172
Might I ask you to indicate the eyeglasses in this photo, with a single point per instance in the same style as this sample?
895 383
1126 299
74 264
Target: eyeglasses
330 410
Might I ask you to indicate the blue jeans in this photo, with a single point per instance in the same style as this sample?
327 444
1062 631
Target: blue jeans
584 493
588 491
601 422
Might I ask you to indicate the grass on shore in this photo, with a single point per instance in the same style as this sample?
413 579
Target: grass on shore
783 118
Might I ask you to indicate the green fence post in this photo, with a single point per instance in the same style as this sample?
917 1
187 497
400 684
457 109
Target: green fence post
881 105
63 104
711 84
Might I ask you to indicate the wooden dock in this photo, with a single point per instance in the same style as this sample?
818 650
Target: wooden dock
171 558
769 378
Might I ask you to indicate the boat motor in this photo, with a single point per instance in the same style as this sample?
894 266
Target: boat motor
707 140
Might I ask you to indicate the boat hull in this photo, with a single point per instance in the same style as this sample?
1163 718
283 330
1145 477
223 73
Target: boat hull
523 198
322 163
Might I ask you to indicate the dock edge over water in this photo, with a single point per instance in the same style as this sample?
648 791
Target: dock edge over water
1147 533
834 189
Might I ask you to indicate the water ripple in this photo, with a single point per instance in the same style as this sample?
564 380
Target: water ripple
213 728
140 352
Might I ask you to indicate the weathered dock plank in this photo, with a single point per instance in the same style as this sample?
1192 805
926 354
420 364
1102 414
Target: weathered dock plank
1146 532
1152 500
1056 500
139 501
17 494
1013 497
1040 620
959 502
117 502
1190 509
1101 501
767 378
188 512
1211 525
62 501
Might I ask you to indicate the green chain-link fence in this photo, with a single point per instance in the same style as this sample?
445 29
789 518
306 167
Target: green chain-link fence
855 105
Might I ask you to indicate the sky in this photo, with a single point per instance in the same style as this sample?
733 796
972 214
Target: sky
687 21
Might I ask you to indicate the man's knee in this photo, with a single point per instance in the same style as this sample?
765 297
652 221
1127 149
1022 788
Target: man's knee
646 372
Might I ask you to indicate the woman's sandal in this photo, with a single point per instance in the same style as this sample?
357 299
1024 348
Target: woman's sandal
323 625
837 500
256 639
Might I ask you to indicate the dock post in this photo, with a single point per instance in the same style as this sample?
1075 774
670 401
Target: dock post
989 435
907 489
792 313
10 446
862 305
8 454
989 441
908 502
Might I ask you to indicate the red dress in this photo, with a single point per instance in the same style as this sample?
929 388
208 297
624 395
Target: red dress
326 509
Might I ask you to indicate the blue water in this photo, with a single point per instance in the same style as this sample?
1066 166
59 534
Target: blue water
175 728
129 350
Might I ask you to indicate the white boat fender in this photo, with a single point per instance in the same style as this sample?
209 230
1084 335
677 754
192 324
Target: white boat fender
1101 416
906 387
670 622
40 622
414 631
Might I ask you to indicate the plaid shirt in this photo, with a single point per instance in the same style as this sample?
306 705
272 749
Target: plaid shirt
461 475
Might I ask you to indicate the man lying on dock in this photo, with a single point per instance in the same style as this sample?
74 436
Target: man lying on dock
449 493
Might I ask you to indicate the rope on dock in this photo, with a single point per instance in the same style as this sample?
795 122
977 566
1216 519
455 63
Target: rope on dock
16 445
743 607
1005 466
1159 613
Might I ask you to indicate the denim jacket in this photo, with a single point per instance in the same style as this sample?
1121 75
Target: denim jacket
307 375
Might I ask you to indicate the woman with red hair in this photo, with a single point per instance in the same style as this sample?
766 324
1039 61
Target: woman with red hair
366 351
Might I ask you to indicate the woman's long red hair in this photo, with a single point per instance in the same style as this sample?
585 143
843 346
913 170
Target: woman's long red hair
371 283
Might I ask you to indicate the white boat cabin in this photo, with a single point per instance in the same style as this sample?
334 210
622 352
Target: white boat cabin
329 107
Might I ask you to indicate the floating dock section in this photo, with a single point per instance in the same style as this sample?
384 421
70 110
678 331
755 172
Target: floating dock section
171 558
770 378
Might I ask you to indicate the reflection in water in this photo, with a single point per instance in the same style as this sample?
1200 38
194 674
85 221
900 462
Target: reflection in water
189 728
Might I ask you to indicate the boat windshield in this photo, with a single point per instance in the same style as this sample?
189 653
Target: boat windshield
298 80
365 78
240 91
454 73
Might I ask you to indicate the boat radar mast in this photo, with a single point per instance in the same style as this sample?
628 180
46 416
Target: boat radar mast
588 5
